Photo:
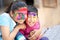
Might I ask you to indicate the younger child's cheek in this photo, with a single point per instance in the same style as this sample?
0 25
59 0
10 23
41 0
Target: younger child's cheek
35 19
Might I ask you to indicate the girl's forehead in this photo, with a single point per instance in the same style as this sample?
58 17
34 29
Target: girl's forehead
22 10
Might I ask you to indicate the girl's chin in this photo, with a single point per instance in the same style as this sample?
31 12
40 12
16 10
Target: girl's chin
20 22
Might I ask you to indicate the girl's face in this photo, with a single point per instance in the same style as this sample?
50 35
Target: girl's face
32 18
20 15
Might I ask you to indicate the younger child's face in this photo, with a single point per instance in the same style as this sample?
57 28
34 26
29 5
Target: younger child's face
32 18
20 15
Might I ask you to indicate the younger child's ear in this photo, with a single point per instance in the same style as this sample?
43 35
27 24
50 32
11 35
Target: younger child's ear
11 13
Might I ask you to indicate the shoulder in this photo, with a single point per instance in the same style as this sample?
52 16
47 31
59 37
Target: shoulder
6 20
4 15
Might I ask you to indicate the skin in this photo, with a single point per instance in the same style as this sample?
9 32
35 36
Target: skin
6 35
31 20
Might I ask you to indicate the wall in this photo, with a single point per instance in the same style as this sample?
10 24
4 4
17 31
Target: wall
7 2
49 16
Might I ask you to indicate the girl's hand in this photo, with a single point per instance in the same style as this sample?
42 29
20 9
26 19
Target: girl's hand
31 37
21 26
32 33
35 35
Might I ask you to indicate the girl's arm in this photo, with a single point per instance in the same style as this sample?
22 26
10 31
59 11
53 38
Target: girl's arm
6 35
35 35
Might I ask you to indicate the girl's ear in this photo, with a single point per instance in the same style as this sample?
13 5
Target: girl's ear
11 13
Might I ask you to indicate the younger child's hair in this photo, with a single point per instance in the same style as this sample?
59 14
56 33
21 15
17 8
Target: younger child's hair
32 9
15 5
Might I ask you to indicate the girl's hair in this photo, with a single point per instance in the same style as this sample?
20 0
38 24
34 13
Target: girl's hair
15 5
32 9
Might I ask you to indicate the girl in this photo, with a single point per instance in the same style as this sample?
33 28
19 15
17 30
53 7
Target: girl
8 20
21 15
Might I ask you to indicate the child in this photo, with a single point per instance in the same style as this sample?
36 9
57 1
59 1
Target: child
32 23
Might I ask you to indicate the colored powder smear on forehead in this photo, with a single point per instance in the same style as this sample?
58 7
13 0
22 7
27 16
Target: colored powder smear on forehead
32 13
23 10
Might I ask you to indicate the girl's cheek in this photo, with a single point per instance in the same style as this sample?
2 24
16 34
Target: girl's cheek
16 17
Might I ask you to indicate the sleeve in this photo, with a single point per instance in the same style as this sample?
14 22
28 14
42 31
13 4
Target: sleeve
4 20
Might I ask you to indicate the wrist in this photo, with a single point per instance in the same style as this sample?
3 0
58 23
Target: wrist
18 28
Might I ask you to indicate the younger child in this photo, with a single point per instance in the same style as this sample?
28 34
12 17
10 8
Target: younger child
32 21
